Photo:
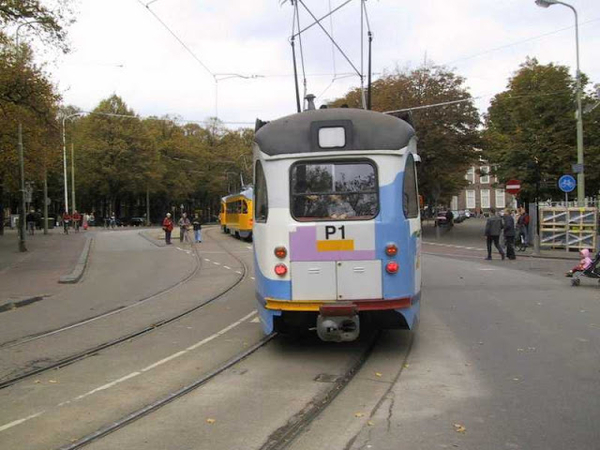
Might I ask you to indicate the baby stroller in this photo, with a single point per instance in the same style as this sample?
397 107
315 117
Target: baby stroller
592 271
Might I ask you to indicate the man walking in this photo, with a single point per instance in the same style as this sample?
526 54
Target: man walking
197 224
184 225
509 234
493 228
30 219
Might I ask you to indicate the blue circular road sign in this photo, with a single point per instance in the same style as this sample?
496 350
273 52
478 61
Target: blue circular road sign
567 183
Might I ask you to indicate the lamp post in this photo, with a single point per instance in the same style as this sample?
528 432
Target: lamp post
22 247
65 159
580 174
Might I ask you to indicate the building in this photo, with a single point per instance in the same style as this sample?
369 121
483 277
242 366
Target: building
482 192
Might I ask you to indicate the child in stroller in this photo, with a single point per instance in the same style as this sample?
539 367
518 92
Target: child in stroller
586 268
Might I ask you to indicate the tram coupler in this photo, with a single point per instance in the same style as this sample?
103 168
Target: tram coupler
338 323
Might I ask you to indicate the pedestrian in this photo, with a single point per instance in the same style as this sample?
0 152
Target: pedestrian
86 219
493 228
508 223
197 224
76 220
523 226
184 226
30 219
168 228
66 218
113 221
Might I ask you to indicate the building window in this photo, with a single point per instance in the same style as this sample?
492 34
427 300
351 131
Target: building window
484 177
500 198
454 203
485 198
470 176
471 200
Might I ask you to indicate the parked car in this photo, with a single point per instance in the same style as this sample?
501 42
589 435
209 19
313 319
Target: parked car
136 222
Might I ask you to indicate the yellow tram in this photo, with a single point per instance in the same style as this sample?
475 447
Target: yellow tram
237 212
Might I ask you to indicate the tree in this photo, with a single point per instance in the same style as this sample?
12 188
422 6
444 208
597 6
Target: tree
530 130
447 135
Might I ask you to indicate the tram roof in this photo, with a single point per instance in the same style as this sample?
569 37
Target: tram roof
365 130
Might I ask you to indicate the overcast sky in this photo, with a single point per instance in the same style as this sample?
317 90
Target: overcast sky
120 47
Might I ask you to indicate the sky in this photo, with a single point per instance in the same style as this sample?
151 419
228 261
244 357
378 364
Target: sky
120 47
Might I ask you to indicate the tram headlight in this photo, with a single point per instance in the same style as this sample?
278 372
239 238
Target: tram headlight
392 267
281 269
391 250
280 252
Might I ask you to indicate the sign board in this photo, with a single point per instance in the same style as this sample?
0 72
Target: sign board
577 168
567 183
513 186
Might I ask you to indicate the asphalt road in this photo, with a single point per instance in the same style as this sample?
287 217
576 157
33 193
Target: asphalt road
506 357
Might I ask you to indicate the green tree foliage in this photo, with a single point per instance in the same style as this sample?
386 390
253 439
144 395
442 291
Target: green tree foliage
49 21
120 158
531 134
447 135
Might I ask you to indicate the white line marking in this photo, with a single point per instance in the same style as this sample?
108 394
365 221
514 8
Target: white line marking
255 320
227 267
20 421
249 247
237 271
135 374
487 269
207 260
252 278
108 385
162 361
216 263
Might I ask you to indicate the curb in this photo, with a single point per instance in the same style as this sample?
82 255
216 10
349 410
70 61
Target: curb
79 269
19 303
521 254
152 240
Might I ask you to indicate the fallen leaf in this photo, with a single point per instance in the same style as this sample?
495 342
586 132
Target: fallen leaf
52 381
210 420
37 381
370 423
406 366
378 374
459 428
515 379
359 414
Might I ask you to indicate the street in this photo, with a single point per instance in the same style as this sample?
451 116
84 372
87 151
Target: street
506 356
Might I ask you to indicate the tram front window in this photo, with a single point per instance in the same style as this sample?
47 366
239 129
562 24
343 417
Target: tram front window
334 191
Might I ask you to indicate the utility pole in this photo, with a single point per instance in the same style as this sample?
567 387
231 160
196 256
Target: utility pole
45 198
22 247
73 177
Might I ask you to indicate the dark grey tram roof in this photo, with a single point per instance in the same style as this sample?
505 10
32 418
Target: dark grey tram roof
365 130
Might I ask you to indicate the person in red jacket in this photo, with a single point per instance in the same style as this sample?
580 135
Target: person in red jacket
76 220
167 228
66 217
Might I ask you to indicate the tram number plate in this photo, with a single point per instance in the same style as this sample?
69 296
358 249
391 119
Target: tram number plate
330 230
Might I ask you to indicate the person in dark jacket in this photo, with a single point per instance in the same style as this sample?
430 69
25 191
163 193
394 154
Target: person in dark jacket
197 224
509 234
493 228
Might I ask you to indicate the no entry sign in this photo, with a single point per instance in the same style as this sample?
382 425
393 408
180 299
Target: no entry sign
513 186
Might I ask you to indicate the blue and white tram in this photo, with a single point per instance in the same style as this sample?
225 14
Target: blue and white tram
337 231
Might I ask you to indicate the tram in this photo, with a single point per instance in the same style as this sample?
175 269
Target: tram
238 214
223 216
337 230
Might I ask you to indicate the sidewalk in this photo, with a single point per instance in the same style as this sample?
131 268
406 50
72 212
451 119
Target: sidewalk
469 234
35 273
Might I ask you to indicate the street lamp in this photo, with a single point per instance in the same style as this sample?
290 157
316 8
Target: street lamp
65 118
22 247
580 174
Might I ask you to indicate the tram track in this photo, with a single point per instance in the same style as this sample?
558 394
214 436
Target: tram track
281 438
65 361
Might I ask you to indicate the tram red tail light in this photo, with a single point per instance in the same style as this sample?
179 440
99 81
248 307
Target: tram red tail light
392 267
281 269
280 252
391 250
